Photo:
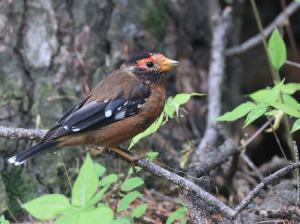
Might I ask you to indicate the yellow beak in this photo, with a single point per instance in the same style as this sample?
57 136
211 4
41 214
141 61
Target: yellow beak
168 64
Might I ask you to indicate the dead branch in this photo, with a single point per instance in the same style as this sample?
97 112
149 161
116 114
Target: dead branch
195 207
21 133
284 213
298 173
252 42
266 181
252 166
215 77
228 149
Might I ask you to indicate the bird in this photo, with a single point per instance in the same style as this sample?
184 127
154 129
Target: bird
122 105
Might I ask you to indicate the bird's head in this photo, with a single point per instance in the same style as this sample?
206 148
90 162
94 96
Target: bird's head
150 67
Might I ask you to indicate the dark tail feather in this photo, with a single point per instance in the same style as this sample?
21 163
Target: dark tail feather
28 153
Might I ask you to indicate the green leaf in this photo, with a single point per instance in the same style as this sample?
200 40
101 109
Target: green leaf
296 126
274 94
86 183
285 108
277 50
3 221
132 183
237 113
258 111
176 215
260 96
97 197
111 178
172 217
68 219
170 108
291 101
152 155
183 98
121 221
70 210
48 206
102 215
126 201
100 170
271 113
139 210
290 88
153 128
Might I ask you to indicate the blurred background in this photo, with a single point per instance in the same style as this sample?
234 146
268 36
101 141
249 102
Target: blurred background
52 53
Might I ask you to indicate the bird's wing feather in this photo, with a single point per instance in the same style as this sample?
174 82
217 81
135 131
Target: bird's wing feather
93 114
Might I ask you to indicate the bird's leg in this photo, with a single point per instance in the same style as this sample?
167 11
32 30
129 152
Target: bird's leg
132 159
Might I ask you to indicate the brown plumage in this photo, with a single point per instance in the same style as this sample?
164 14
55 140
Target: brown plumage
121 106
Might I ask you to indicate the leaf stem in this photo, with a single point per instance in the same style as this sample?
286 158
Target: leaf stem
277 140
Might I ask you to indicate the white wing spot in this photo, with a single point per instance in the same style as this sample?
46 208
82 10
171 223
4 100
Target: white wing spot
120 115
75 129
12 159
139 105
125 103
146 99
19 163
65 127
105 101
119 108
108 113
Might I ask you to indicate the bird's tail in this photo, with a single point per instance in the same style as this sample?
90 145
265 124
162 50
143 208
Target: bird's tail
34 150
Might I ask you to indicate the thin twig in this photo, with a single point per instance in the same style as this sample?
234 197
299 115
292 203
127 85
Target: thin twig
65 170
252 166
298 174
283 213
252 42
290 32
277 139
266 181
292 63
265 125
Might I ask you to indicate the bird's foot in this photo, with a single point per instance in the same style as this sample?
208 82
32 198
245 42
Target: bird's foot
134 158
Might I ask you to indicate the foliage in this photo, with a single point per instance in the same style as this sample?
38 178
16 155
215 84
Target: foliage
279 97
86 194
178 214
3 221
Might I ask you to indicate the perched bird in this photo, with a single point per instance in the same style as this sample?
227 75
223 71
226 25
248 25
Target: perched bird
121 106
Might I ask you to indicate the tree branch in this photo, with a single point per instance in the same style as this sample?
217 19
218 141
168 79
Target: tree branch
215 77
283 213
266 181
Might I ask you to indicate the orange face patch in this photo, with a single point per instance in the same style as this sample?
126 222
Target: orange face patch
156 59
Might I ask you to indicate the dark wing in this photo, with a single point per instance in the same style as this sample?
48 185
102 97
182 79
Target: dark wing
95 114
72 110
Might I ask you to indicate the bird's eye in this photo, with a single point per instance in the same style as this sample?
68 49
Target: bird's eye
149 64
